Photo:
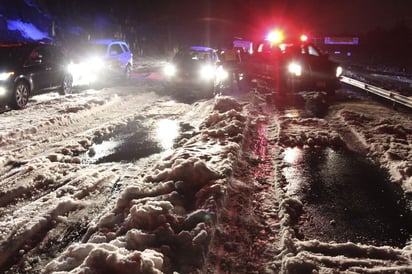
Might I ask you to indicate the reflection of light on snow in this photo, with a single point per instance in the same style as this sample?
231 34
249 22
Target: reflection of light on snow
292 113
169 103
104 149
28 30
293 174
166 132
293 155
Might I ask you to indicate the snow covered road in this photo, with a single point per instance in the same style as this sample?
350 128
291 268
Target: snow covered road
214 202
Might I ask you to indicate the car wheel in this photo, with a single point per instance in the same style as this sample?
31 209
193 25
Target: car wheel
128 72
67 85
217 89
20 95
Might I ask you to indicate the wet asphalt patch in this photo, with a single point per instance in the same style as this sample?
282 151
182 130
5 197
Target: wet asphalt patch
346 198
132 142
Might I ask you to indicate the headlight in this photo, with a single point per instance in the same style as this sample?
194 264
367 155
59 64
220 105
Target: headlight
87 71
295 69
95 62
3 91
207 72
5 75
339 71
222 74
169 70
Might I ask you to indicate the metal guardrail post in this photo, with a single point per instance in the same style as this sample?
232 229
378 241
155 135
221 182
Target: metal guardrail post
387 94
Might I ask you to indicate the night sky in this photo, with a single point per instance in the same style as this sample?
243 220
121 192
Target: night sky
201 21
320 16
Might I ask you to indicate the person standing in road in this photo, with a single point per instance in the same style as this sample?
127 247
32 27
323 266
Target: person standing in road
231 63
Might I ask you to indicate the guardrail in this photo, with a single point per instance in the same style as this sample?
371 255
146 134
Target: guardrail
390 95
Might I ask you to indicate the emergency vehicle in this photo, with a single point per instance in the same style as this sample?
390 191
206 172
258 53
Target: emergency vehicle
292 65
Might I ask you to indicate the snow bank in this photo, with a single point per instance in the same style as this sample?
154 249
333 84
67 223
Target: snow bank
165 221
387 136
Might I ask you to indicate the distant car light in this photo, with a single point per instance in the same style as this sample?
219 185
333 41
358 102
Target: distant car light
169 70
303 38
207 72
295 69
5 75
339 71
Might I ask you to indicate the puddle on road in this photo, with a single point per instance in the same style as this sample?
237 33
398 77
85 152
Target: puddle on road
346 198
132 142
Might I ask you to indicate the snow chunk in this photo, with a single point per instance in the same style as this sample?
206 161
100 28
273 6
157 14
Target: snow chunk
106 258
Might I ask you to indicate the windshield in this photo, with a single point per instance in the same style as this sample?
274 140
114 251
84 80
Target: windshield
192 55
97 49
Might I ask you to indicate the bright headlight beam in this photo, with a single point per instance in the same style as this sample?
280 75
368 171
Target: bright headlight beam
169 70
95 62
207 72
3 91
295 69
5 75
222 74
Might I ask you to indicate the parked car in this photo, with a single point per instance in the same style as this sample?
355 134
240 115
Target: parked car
27 69
195 67
293 66
98 61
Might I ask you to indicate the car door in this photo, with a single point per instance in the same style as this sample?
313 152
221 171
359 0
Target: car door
38 69
123 53
56 65
318 64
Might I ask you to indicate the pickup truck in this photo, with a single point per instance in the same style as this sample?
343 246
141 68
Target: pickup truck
292 67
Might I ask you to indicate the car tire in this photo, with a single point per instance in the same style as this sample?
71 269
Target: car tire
217 89
67 85
128 72
20 95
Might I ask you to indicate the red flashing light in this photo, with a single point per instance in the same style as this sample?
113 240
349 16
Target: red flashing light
275 37
303 38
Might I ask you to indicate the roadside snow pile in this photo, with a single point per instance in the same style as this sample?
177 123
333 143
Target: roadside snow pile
165 220
387 137
317 257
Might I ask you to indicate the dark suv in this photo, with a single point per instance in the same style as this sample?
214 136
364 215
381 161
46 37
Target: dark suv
195 67
27 69
293 67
